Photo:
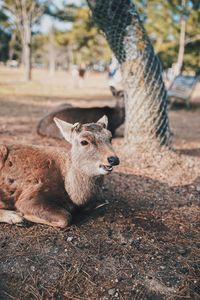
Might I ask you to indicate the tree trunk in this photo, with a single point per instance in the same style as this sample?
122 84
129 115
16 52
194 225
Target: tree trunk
52 60
27 50
145 95
52 54
12 45
182 40
69 58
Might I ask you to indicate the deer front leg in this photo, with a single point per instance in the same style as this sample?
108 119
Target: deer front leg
36 208
60 221
10 217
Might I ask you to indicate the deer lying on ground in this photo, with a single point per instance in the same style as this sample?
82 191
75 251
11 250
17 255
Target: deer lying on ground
46 185
71 114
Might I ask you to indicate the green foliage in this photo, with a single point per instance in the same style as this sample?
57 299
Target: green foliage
65 14
10 41
4 45
5 36
84 39
162 22
39 49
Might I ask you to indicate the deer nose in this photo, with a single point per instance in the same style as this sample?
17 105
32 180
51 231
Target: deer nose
113 160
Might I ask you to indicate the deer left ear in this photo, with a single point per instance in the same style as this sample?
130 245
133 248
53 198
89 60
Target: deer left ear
65 129
103 121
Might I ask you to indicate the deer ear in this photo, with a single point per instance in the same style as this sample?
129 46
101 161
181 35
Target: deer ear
116 93
65 129
120 94
77 127
104 121
113 90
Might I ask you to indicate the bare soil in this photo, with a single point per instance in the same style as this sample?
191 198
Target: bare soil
141 241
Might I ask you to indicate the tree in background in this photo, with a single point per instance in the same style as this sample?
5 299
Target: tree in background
188 10
56 41
163 21
181 51
83 42
52 51
5 36
145 95
25 13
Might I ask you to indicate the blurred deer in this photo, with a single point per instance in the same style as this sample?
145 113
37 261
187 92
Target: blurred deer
71 114
47 184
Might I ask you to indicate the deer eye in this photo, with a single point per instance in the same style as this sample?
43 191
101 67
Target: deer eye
84 143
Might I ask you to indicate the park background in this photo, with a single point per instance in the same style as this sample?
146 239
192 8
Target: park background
143 242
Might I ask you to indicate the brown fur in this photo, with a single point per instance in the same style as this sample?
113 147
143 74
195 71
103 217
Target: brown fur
47 184
71 114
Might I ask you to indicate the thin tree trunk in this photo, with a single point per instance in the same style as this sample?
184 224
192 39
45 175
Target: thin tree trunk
12 45
52 55
52 60
27 51
145 95
69 58
182 40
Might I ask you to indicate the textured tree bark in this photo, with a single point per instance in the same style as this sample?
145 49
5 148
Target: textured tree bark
145 95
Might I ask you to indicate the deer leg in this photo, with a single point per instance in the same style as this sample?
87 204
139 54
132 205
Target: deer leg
60 220
10 217
36 208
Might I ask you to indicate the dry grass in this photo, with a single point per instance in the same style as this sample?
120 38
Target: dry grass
43 85
143 243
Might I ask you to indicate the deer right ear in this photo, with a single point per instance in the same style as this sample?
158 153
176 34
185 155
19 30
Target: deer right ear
65 129
103 121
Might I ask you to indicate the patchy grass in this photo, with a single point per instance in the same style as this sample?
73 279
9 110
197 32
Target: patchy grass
43 85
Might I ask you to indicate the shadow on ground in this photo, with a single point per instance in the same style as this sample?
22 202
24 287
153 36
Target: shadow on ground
190 152
182 105
142 243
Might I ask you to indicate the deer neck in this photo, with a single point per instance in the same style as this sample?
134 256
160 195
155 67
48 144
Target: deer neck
80 187
120 111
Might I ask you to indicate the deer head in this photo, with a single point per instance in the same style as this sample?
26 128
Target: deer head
118 95
91 151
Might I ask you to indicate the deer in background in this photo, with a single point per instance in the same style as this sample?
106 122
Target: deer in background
71 114
47 184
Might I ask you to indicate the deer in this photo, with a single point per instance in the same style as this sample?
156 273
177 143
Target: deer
46 185
66 112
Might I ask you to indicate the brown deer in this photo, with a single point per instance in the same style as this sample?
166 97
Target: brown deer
47 184
71 114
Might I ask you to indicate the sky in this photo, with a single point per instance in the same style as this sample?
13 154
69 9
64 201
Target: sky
47 22
60 2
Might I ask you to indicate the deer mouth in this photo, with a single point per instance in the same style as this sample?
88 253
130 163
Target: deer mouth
106 168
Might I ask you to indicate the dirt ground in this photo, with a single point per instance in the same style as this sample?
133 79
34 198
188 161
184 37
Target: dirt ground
141 242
